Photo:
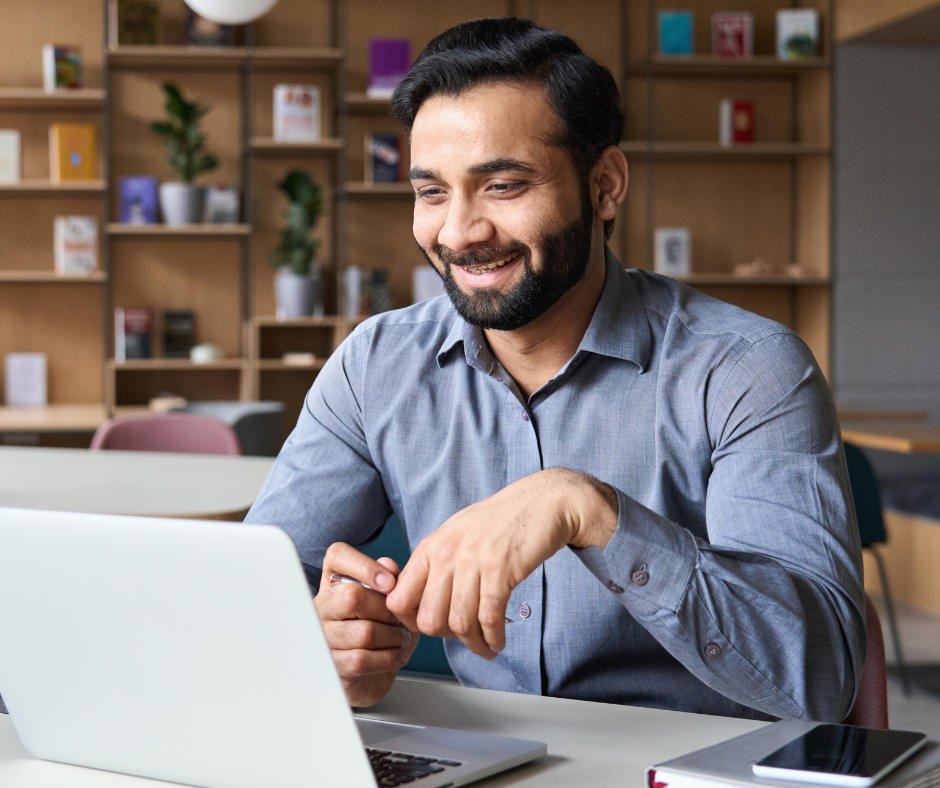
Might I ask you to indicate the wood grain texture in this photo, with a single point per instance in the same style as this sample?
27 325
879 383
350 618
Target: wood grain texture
26 227
855 18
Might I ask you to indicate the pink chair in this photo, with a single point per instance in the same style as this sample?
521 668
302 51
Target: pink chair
871 704
173 432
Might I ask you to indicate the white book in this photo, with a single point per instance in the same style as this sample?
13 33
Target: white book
673 251
352 291
26 380
296 113
797 33
76 245
11 159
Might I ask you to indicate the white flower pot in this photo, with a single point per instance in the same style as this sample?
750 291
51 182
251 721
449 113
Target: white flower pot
298 295
181 203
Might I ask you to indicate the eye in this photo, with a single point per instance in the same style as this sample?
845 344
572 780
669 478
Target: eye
429 191
506 188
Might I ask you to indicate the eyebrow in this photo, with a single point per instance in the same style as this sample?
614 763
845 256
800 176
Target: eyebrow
486 168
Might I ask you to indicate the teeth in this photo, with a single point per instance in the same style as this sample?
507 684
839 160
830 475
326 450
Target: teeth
482 269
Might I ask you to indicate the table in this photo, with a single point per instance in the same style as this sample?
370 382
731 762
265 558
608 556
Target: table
157 484
901 437
596 744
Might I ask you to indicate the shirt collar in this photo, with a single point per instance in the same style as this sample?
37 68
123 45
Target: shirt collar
619 327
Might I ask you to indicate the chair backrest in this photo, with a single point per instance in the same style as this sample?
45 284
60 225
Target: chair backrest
871 703
259 425
871 524
175 432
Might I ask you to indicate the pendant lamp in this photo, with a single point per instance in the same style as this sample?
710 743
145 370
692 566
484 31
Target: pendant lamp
231 12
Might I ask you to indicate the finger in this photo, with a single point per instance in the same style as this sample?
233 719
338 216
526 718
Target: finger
356 663
405 598
389 564
344 601
494 596
347 560
434 608
354 634
464 619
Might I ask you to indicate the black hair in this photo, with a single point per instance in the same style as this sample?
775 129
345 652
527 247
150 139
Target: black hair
582 92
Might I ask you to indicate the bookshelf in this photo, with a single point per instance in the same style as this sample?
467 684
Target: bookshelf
769 199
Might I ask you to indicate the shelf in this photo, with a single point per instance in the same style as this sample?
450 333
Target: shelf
751 281
163 364
53 418
358 189
268 364
710 66
267 146
179 231
51 277
79 100
362 102
223 58
712 151
47 187
328 321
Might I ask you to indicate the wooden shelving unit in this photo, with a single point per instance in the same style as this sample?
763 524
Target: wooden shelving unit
711 151
81 100
356 189
36 186
178 231
267 146
710 66
51 277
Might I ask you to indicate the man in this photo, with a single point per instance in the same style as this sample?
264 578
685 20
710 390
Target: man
647 482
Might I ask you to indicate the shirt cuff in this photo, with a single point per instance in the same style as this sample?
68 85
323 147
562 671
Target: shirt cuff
647 562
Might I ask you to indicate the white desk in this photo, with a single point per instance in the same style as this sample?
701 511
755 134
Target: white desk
130 482
589 744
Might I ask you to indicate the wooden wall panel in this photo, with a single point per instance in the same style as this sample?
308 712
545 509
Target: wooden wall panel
289 387
263 105
64 322
33 126
813 219
857 17
138 387
594 24
633 218
295 23
812 322
26 227
774 303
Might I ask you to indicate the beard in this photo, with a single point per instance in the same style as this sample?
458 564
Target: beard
564 255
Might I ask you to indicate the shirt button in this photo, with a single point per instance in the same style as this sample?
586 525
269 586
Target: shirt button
612 586
525 611
640 577
525 416
713 651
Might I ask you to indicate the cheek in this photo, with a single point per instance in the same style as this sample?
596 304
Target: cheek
426 226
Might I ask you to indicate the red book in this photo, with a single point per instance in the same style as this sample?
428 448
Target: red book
733 35
736 122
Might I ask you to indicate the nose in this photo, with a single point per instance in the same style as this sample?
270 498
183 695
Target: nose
464 226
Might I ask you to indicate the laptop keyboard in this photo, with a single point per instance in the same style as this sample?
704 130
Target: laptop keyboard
398 768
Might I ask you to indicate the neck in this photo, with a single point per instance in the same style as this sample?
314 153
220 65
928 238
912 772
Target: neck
533 354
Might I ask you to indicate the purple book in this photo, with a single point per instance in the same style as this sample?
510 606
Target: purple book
139 200
389 61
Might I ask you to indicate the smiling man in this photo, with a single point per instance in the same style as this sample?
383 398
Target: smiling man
649 483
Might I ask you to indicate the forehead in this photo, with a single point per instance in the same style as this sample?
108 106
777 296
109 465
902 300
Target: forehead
492 121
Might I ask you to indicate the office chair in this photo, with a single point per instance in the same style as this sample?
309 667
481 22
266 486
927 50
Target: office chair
174 432
871 704
871 529
258 425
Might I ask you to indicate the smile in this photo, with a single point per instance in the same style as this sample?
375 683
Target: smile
482 269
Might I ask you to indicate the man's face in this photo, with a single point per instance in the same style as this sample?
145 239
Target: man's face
500 212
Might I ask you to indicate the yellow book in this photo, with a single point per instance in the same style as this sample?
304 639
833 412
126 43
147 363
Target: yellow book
73 150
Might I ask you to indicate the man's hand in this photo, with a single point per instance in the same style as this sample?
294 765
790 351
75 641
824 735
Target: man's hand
458 581
369 645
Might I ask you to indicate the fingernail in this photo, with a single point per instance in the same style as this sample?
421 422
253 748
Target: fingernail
384 581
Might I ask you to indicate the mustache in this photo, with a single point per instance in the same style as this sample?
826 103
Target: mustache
480 256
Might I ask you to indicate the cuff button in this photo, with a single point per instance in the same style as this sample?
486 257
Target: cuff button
640 577
525 611
713 651
612 586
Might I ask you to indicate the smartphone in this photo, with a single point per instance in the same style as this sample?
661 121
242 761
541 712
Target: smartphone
840 755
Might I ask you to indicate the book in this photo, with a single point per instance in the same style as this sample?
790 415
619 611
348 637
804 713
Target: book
133 329
673 251
179 333
199 31
61 67
729 763
733 34
389 61
383 158
736 122
133 22
11 156
72 152
221 205
675 32
138 195
75 246
26 380
797 33
296 113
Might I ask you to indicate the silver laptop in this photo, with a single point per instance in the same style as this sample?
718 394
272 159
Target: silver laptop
191 651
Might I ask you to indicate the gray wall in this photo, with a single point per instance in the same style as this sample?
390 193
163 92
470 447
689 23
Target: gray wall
886 298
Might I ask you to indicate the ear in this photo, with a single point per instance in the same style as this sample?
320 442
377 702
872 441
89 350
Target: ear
609 180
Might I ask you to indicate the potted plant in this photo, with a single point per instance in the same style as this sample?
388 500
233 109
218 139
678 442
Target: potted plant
181 202
298 283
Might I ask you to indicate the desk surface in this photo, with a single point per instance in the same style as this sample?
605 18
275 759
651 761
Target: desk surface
901 437
130 482
594 744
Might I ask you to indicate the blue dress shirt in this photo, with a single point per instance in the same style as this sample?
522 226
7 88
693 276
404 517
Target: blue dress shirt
732 584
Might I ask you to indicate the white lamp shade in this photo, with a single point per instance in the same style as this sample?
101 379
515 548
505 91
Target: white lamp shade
231 12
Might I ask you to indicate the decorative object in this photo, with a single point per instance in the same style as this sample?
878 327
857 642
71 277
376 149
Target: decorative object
733 34
352 292
673 251
296 113
133 22
379 292
221 205
26 380
298 281
138 199
75 247
205 353
760 268
675 32
202 32
736 122
383 159
61 67
181 202
179 333
11 156
73 152
797 33
231 12
389 61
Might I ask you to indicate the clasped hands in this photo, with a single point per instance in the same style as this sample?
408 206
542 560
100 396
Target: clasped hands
458 581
